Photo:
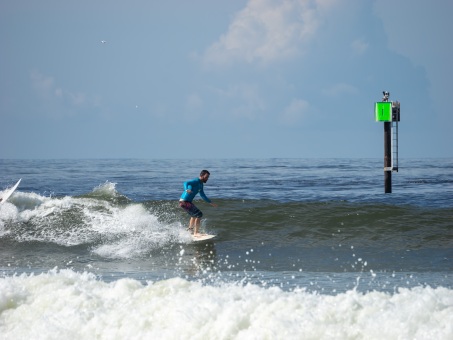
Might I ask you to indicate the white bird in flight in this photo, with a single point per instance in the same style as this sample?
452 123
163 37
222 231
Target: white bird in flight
103 41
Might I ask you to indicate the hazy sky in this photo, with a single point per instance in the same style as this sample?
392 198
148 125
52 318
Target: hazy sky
223 78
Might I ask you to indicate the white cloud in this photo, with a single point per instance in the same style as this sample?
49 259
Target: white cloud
59 92
77 99
359 46
194 102
295 112
340 89
246 99
56 100
43 85
269 30
194 105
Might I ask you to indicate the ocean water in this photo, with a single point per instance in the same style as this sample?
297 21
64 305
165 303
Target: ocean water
305 249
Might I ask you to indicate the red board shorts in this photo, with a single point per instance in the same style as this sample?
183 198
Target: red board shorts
191 209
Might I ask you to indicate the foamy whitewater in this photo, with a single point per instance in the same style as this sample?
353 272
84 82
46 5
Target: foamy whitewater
71 305
305 249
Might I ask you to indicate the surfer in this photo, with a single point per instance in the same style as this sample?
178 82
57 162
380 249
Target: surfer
191 189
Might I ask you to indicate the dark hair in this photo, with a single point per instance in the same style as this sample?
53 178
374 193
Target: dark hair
204 172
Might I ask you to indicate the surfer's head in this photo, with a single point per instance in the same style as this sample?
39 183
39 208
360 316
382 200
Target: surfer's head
204 175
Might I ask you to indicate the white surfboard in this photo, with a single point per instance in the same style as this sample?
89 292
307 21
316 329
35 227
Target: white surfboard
202 237
9 192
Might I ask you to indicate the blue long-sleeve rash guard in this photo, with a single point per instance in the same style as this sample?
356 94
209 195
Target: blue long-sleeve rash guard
195 186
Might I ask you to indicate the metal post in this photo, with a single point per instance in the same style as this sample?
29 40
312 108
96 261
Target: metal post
388 157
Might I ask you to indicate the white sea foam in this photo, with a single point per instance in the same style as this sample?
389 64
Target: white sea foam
112 230
71 305
108 189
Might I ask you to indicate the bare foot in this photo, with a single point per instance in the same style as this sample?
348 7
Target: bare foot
198 235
